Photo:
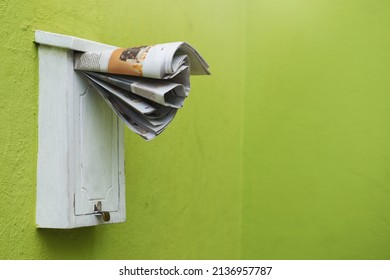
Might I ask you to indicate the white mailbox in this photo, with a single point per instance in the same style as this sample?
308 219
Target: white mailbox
80 176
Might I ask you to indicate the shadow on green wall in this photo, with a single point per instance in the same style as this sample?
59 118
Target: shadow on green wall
68 243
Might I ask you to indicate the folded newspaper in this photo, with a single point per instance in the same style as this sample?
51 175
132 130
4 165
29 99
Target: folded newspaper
145 86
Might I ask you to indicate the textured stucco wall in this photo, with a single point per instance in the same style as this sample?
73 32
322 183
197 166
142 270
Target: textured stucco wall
183 191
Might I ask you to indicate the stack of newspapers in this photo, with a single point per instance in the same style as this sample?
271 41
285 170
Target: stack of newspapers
145 86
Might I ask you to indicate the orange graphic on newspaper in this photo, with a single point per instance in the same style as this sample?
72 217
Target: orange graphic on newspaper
128 61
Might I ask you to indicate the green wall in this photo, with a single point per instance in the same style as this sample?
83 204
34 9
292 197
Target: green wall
317 130
281 154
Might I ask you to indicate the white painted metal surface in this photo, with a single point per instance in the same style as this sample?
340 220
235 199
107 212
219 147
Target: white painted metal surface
80 141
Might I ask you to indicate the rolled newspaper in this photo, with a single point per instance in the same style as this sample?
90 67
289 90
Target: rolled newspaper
144 85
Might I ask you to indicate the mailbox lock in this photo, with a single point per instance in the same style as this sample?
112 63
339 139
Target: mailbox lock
98 211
